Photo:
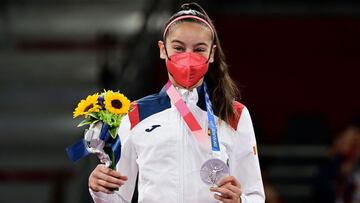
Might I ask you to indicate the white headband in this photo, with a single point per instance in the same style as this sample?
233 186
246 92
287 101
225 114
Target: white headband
189 16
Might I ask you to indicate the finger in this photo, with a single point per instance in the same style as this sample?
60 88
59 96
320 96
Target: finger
108 184
102 189
228 179
111 172
108 178
233 189
222 199
225 193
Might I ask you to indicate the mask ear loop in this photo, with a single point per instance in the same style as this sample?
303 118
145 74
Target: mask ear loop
211 50
166 52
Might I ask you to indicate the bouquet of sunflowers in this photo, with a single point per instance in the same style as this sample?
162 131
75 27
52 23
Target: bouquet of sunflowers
103 112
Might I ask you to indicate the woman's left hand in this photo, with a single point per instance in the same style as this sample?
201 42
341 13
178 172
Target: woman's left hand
230 190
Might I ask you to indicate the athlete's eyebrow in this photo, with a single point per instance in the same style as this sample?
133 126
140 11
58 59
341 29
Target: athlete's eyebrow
182 43
177 41
201 43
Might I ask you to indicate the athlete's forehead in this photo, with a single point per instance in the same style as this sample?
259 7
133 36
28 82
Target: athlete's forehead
190 33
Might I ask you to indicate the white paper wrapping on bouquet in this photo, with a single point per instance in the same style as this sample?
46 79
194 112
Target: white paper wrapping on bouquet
94 144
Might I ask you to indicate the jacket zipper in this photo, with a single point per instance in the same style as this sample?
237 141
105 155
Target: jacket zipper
182 137
180 155
182 147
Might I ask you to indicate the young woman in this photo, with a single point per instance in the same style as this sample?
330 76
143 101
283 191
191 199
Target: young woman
182 148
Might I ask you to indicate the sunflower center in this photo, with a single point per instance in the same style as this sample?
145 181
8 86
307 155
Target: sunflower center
89 107
116 104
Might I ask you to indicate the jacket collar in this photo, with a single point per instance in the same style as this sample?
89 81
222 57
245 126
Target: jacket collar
196 95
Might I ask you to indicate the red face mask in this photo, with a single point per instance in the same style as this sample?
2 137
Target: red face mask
187 68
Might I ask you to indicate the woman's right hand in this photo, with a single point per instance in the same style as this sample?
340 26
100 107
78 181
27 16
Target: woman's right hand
103 179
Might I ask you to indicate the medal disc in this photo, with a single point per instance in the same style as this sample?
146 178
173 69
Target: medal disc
213 170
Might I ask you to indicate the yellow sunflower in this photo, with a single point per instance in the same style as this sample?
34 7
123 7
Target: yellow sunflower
88 105
116 102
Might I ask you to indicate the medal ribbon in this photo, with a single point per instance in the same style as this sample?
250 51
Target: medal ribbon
191 121
212 125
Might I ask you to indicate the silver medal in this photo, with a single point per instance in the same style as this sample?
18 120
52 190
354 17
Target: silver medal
213 170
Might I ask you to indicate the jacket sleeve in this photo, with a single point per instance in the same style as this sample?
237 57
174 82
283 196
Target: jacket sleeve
126 166
244 161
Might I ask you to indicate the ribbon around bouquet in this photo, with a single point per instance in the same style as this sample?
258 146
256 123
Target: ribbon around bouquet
107 148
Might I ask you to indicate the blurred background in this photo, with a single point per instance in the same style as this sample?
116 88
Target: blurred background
296 62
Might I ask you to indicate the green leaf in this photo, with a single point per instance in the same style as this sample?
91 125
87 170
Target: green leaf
86 121
109 152
112 120
94 115
112 132
94 121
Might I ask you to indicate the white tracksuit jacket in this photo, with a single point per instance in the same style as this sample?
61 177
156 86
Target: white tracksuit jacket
157 144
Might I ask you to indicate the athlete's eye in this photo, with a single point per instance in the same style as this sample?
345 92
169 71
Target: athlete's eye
179 48
200 50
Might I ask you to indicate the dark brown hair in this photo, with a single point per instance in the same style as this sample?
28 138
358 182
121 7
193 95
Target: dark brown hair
222 88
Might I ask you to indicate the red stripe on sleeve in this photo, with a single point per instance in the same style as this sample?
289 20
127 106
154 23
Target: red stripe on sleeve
134 115
238 107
